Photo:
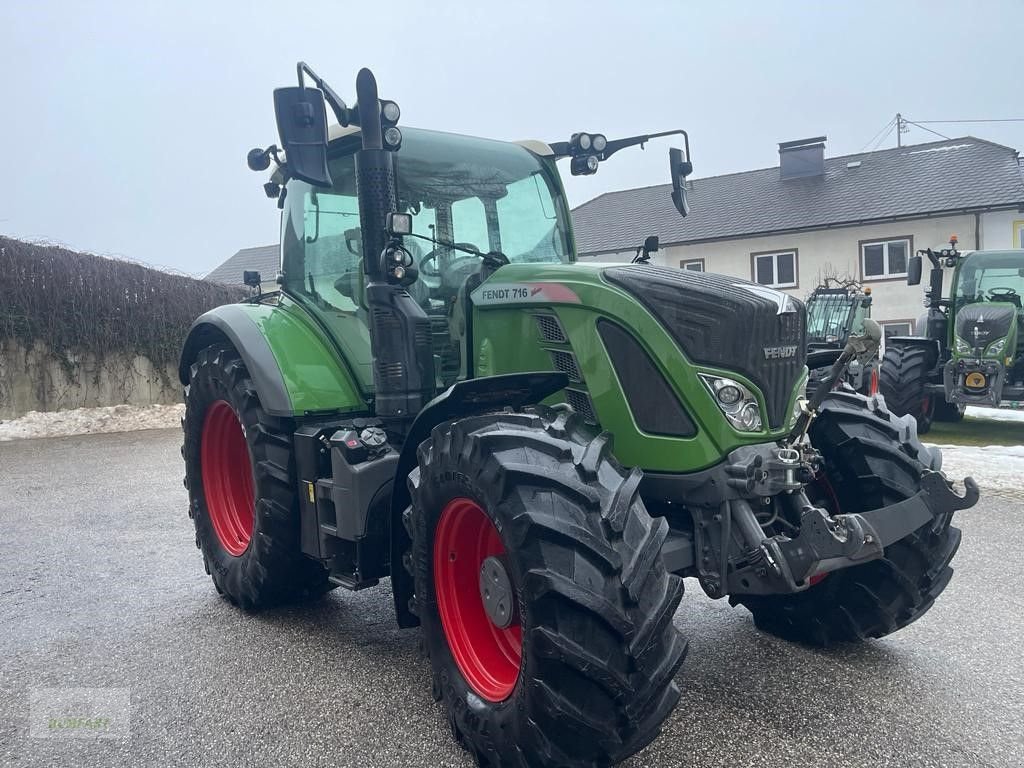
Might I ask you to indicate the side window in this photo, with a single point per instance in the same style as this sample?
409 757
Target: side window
321 240
332 246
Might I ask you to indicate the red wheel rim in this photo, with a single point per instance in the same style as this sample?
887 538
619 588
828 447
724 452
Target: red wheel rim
227 478
487 656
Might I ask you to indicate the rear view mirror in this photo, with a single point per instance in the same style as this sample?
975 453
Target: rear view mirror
651 244
914 270
302 126
680 168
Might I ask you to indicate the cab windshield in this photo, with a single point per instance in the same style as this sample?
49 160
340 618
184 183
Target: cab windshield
491 195
991 277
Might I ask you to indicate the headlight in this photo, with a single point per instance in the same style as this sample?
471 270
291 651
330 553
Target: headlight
735 401
995 349
584 141
799 402
600 142
962 347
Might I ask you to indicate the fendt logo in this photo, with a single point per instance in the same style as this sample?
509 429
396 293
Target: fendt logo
779 353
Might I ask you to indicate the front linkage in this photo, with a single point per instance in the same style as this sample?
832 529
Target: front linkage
730 551
733 554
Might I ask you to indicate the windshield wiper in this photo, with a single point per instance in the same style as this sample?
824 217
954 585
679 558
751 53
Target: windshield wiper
491 258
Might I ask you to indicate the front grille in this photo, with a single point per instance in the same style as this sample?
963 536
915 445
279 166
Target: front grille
727 323
566 363
550 329
651 399
580 402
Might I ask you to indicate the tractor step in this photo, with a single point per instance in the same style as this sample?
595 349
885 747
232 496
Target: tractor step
350 582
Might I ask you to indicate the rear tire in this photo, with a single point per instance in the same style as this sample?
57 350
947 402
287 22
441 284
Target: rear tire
872 459
245 507
901 382
592 677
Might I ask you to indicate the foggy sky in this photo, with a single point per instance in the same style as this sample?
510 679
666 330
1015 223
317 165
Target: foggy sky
124 126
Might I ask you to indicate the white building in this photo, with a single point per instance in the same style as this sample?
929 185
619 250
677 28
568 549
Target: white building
857 215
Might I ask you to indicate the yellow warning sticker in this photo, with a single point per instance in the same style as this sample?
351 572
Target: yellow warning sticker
312 494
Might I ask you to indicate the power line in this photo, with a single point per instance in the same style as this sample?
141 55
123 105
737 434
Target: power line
990 120
886 136
885 127
923 128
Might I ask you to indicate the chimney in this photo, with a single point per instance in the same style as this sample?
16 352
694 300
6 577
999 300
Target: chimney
802 159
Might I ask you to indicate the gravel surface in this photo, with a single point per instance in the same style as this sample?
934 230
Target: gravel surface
101 586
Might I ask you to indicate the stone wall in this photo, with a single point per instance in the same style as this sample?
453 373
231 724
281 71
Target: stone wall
36 380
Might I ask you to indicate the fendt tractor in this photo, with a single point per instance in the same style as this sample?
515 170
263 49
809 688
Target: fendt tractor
972 351
837 309
535 452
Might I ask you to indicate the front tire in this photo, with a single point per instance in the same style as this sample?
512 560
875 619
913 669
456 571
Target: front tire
240 474
871 459
584 674
901 382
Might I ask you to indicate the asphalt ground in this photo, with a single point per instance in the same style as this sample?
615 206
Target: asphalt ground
101 587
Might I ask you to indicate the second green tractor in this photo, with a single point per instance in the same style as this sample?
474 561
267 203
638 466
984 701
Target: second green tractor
533 451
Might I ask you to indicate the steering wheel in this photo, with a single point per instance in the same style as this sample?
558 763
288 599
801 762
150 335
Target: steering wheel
448 282
432 256
1003 294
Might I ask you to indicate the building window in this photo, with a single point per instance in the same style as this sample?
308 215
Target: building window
897 328
692 265
1018 234
884 259
776 268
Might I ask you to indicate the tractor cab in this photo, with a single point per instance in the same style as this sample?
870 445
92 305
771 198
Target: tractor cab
466 197
987 307
833 313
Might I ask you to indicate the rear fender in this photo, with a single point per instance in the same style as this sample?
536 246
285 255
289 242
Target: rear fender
296 368
231 323
465 398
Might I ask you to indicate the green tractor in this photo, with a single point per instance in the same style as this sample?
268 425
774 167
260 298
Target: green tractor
533 451
972 351
837 309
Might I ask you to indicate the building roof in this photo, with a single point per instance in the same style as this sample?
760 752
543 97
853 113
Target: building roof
264 258
907 182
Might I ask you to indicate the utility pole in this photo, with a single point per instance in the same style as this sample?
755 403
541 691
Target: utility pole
899 130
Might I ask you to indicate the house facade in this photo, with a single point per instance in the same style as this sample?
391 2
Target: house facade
856 216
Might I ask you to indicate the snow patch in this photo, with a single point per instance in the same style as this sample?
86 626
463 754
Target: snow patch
995 467
995 414
83 421
938 149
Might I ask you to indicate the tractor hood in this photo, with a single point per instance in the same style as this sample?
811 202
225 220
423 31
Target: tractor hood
981 324
727 323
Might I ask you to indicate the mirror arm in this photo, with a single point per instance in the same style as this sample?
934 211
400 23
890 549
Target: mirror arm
561 148
341 112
